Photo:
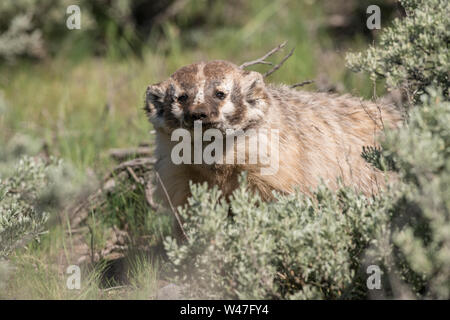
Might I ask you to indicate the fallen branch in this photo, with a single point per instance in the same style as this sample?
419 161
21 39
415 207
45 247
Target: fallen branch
135 163
123 154
116 288
134 176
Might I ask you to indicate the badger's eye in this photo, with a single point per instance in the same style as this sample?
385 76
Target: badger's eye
220 95
182 98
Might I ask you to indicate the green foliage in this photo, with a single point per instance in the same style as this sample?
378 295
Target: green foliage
26 27
374 156
413 53
16 147
125 206
296 247
30 191
37 28
422 222
20 218
18 40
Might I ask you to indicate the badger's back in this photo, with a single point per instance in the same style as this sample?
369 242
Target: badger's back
321 137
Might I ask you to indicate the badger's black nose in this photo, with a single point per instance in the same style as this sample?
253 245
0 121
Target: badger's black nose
197 113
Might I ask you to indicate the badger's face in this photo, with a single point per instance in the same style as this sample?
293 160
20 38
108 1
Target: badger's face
218 93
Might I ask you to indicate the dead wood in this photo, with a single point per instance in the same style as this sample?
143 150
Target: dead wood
123 154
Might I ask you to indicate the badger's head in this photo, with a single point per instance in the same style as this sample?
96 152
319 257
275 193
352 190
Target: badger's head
218 93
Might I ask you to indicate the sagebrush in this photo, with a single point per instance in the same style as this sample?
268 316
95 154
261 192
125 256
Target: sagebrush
413 53
21 219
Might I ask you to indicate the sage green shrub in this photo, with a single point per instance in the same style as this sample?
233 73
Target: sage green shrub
421 225
295 247
32 190
413 53
37 28
28 26
20 218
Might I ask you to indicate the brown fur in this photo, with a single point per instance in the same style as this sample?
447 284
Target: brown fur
321 135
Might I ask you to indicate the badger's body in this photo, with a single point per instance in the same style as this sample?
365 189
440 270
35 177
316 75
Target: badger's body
320 135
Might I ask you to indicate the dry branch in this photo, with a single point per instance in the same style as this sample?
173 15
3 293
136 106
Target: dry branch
268 73
123 154
301 84
145 163
262 60
133 175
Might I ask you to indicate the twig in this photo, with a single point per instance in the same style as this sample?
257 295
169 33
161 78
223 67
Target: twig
133 175
138 162
264 57
301 84
171 205
268 73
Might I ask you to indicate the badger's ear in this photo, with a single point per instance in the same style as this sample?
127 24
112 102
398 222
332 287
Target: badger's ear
253 86
155 98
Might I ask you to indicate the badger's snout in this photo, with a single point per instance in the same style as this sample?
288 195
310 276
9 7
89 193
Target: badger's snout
198 112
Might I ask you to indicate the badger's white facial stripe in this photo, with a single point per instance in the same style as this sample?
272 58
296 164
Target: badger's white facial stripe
226 86
228 108
200 96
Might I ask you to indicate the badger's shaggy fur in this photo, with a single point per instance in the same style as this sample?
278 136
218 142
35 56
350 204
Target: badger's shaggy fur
320 135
